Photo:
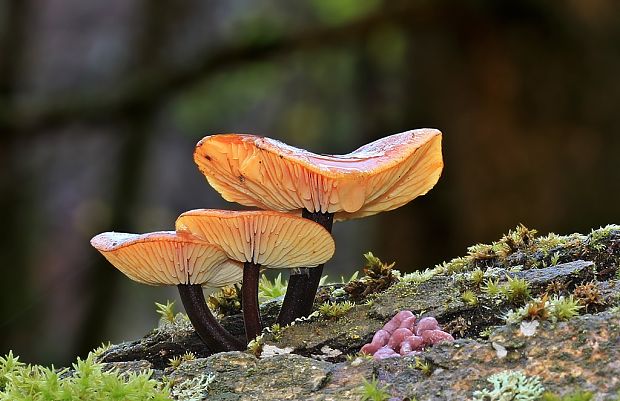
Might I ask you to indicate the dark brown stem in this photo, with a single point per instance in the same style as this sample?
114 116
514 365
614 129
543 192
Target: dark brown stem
302 286
249 300
207 327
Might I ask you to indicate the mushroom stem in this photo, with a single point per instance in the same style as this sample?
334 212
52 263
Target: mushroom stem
302 286
249 300
207 327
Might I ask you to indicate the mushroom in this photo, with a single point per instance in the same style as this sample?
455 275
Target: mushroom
265 173
259 238
170 258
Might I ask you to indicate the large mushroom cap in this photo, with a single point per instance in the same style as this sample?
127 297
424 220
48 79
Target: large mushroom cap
265 173
166 257
271 239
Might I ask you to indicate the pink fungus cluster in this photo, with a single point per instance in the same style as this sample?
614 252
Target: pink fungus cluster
403 336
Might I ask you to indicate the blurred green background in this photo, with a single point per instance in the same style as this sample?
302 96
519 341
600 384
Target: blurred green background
101 104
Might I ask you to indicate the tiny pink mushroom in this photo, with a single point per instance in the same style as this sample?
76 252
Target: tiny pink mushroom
385 352
370 348
396 321
412 343
436 336
381 337
408 323
379 340
397 338
426 323
392 325
402 315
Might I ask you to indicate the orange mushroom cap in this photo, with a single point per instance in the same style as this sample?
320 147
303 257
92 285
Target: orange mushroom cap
265 173
166 257
271 239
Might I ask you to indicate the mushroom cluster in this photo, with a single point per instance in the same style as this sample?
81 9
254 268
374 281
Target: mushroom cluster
403 336
265 173
215 248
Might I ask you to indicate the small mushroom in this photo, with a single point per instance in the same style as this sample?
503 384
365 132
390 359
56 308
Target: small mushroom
170 258
259 238
265 173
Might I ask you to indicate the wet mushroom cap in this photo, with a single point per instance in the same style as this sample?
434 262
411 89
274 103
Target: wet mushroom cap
271 239
168 258
265 173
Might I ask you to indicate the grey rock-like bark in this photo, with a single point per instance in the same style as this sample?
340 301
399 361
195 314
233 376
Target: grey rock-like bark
308 360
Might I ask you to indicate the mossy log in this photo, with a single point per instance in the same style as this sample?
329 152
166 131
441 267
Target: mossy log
317 359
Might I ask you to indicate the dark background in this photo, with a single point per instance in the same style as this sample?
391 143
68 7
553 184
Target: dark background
101 104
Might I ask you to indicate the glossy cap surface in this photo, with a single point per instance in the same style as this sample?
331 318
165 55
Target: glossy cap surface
268 174
271 239
168 258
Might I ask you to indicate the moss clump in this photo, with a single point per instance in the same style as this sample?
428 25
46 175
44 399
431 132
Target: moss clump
558 308
564 308
178 360
423 366
484 256
419 277
598 238
470 298
166 311
226 301
589 295
373 391
492 288
536 309
378 277
522 247
476 277
334 310
85 381
516 289
576 396
268 289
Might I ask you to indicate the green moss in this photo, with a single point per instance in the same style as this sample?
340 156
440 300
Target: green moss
536 309
564 308
423 366
226 301
492 288
86 381
175 362
550 241
482 256
373 391
334 310
166 311
516 289
597 238
470 298
378 277
373 263
276 331
576 396
419 276
255 347
268 289
456 265
476 277
558 308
